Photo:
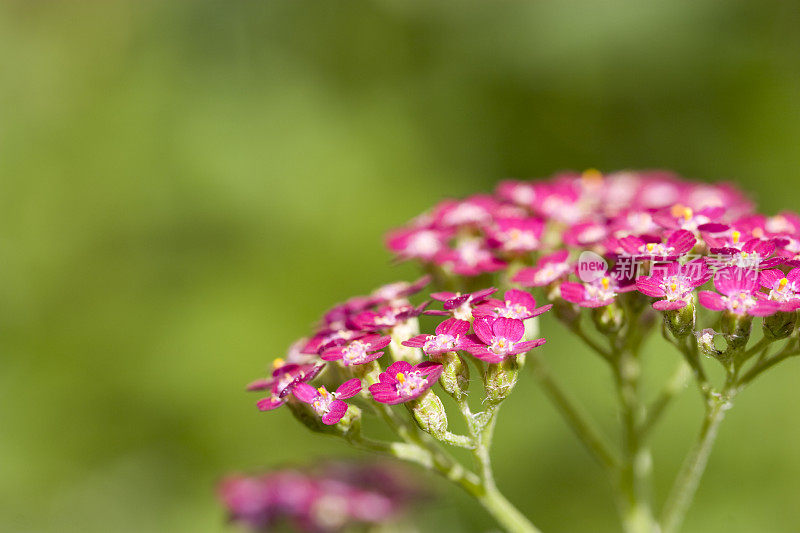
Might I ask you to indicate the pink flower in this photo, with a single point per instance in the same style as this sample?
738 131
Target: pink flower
328 405
419 243
358 351
516 235
450 336
597 293
328 337
560 200
516 304
387 317
585 234
499 338
397 292
753 254
459 305
517 192
326 498
469 257
676 244
783 288
675 282
680 216
403 381
549 269
470 212
284 379
740 294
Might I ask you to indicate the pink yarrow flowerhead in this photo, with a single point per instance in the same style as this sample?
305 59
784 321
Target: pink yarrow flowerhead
598 293
515 304
450 336
358 351
459 305
496 339
403 381
284 379
328 405
740 294
783 288
674 282
549 269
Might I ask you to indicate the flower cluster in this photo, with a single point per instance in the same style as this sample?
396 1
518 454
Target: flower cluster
353 335
333 497
620 249
662 236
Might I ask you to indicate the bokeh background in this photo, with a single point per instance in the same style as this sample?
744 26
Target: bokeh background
185 186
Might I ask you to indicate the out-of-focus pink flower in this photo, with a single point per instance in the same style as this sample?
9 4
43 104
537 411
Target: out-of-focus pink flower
516 235
549 269
324 499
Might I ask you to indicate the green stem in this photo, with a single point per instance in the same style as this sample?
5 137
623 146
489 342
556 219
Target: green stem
688 479
421 450
634 475
490 497
763 363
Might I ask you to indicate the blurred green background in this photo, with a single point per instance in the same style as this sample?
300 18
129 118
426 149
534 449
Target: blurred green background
185 186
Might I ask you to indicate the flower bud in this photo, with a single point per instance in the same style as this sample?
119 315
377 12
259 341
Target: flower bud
455 376
736 329
680 321
780 325
607 319
705 341
500 378
429 414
